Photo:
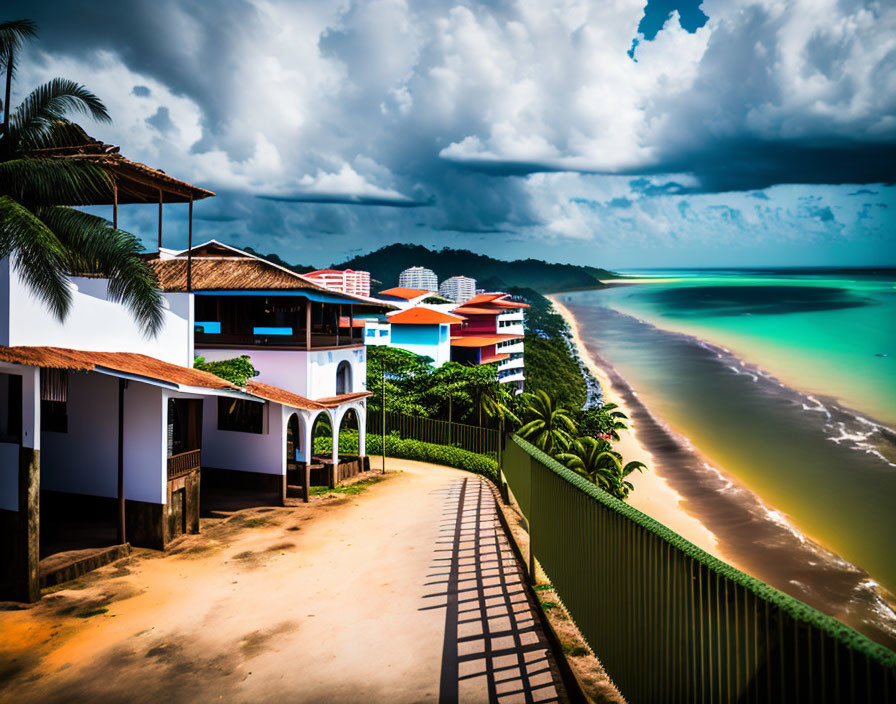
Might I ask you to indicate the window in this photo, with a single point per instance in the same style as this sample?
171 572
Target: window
54 416
240 415
54 400
343 378
10 408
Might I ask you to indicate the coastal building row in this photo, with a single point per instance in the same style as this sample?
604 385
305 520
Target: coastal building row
486 329
107 434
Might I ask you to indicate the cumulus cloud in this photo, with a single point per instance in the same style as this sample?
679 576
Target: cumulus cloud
523 118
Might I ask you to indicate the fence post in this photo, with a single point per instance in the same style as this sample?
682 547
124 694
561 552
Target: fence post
531 516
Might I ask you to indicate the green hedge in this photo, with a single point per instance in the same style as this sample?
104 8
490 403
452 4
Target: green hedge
407 449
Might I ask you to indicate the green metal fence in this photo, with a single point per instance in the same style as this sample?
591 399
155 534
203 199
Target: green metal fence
671 623
484 441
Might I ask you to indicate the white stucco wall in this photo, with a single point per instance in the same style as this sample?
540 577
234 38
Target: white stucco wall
85 459
245 452
93 322
309 374
9 452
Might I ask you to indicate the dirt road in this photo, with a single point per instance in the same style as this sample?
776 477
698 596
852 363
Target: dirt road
406 592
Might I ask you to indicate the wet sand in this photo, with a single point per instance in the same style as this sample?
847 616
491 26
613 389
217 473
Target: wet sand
750 534
652 493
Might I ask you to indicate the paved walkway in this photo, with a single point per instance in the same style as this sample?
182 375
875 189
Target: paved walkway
407 593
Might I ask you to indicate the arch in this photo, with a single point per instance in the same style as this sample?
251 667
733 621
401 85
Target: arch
344 378
294 441
350 420
320 425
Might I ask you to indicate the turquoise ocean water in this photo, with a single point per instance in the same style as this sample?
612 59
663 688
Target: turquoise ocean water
780 388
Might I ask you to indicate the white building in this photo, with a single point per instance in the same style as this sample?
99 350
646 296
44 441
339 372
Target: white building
419 277
459 289
355 283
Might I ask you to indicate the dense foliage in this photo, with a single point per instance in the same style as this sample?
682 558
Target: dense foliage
50 239
413 450
492 274
412 386
237 371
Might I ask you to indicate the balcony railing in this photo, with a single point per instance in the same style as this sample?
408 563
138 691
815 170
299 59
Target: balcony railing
184 463
299 341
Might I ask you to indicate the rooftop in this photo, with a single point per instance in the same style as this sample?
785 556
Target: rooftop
135 182
421 315
405 293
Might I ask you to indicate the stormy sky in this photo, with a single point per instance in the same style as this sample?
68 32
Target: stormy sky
613 133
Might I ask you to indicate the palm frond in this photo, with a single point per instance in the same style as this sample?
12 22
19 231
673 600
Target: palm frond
12 35
93 246
49 103
39 257
53 181
56 133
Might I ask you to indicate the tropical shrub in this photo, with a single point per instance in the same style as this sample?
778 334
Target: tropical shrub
237 370
408 449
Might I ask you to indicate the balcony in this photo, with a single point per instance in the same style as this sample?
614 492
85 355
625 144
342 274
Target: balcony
279 322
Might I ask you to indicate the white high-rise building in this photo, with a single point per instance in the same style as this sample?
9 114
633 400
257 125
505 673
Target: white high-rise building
459 289
419 277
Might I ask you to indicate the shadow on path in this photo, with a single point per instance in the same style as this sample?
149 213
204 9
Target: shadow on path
494 648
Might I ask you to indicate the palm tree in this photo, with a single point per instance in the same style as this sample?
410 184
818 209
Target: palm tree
548 426
614 420
593 459
48 239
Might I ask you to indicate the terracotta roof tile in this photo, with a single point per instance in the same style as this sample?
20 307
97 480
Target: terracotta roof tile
420 315
126 362
406 293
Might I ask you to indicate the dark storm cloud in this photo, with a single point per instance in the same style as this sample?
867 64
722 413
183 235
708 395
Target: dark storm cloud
347 200
484 119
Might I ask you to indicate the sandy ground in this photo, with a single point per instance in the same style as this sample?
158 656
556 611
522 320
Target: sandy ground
407 592
652 494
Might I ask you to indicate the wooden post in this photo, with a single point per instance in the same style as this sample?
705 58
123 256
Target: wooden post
122 538
338 320
114 202
383 419
190 248
160 220
308 324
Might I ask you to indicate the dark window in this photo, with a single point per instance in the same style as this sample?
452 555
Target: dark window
54 416
239 415
11 411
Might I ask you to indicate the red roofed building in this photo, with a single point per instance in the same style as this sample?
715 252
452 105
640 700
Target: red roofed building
492 333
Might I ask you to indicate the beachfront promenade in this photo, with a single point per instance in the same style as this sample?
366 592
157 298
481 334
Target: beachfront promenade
408 592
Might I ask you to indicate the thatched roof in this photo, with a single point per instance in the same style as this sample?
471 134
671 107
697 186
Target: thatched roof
230 274
137 183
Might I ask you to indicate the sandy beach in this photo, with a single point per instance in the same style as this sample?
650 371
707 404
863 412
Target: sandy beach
652 493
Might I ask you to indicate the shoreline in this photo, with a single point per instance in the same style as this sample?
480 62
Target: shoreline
652 494
749 534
